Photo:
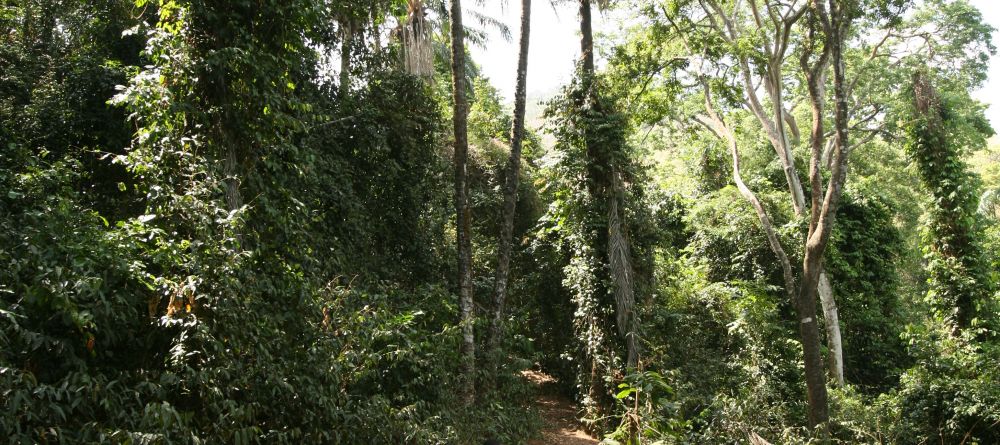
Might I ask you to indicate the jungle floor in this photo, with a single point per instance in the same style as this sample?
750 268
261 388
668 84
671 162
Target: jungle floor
558 412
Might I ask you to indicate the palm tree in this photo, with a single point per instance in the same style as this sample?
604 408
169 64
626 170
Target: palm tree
418 50
463 223
513 172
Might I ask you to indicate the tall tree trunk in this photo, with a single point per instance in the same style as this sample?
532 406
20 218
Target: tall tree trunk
586 40
960 283
823 212
773 81
829 304
597 160
607 187
596 171
346 49
462 211
513 178
841 124
815 75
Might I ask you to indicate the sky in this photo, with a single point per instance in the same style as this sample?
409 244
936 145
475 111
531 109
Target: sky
555 48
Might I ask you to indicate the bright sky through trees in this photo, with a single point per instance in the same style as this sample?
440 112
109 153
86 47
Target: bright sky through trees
556 30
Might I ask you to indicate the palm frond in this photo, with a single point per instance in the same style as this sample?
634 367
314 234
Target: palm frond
486 21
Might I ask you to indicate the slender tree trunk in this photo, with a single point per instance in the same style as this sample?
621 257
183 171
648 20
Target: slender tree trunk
831 317
782 144
717 125
513 178
597 162
346 49
598 186
462 212
595 387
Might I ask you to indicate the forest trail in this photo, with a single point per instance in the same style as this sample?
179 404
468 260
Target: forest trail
559 424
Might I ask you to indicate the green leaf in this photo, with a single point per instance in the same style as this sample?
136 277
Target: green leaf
625 393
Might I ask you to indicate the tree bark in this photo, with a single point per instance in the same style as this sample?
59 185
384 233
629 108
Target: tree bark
815 376
462 211
831 318
773 81
513 178
346 48
586 39
815 75
823 212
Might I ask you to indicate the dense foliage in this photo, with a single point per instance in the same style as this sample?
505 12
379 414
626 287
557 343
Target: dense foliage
233 222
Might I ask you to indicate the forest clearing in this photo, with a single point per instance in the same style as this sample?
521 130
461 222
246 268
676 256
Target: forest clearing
499 222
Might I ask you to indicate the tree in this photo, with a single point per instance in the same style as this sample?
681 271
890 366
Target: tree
835 25
597 189
770 63
744 47
960 284
512 178
349 29
801 293
418 51
463 216
734 50
605 176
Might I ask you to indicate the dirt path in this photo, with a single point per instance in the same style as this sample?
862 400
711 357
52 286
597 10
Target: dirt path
558 415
